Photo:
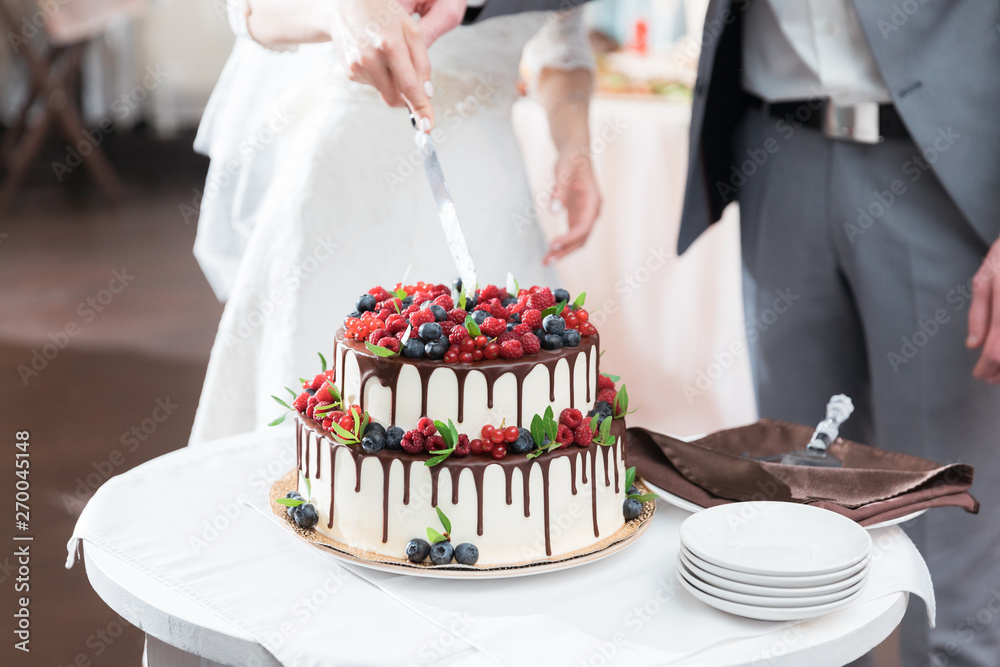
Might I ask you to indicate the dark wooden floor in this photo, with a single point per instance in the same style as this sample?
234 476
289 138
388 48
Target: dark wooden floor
60 245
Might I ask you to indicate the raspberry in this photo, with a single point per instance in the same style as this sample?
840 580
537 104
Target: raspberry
322 394
532 317
409 310
458 334
464 447
328 424
564 436
498 311
302 402
422 316
320 405
390 343
447 326
379 293
433 443
582 435
546 296
396 324
604 382
571 417
445 302
506 336
536 302
607 395
317 382
490 292
457 315
530 343
426 426
377 335
413 442
522 329
511 349
492 327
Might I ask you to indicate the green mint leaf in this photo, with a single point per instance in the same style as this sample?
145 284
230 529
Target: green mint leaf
434 537
629 477
278 420
461 300
379 350
337 400
446 433
400 294
537 430
308 484
593 424
606 428
303 381
439 456
290 502
444 520
644 497
621 403
548 415
362 424
294 395
344 433
578 301
281 402
322 360
471 325
613 378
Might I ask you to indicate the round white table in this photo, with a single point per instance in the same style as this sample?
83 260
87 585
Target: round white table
183 631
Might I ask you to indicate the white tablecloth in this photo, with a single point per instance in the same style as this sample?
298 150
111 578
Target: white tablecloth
669 325
197 520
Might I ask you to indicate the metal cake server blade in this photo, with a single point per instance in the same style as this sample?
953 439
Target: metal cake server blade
446 211
815 454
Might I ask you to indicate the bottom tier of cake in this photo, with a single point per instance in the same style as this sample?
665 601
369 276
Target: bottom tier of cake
514 510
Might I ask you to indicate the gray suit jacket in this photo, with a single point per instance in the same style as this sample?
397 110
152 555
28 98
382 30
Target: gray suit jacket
939 61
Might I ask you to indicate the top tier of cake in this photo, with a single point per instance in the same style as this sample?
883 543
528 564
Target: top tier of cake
399 391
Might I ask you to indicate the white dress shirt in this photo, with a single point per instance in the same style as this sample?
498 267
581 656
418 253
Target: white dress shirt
802 49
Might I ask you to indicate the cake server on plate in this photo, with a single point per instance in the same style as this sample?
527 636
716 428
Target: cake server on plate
446 211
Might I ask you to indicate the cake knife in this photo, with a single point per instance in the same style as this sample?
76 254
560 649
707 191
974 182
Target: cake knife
446 211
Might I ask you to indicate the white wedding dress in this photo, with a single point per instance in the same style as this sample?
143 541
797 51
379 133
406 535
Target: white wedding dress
315 194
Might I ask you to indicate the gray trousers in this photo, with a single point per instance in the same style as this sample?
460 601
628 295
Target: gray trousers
857 279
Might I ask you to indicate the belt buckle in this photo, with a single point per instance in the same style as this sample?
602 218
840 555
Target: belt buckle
852 122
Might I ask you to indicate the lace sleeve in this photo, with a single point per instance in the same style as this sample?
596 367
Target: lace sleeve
560 44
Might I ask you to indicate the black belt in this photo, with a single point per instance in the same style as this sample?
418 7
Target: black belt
818 114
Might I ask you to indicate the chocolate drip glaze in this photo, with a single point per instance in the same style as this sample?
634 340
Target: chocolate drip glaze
333 482
593 489
572 382
572 474
319 459
455 467
387 370
298 447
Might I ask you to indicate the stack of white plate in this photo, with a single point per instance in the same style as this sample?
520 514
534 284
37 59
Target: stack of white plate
773 561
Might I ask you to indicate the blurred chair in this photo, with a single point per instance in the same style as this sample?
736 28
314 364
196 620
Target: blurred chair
54 80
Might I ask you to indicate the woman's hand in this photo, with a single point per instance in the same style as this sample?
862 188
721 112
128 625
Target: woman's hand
575 190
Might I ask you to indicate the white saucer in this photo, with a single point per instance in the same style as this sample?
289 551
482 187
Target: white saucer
775 539
767 601
766 613
776 581
688 506
773 591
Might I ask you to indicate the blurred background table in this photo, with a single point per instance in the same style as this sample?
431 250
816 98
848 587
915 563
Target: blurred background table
671 326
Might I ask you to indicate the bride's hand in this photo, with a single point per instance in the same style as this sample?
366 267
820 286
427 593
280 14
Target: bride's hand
385 48
575 190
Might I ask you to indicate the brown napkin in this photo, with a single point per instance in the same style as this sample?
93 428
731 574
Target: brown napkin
874 485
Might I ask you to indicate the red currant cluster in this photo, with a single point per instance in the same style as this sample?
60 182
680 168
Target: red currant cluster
495 441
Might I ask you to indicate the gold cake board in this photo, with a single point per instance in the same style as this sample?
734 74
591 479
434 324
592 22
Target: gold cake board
625 536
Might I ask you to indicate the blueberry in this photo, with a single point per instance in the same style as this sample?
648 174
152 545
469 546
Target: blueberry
354 313
551 341
441 553
554 324
510 326
457 284
440 314
436 349
408 301
373 427
539 333
515 318
604 408
632 490
631 508
479 316
414 348
509 301
560 295
306 516
394 439
310 391
596 413
466 553
429 331
570 338
470 303
294 495
373 442
524 443
365 303
417 550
